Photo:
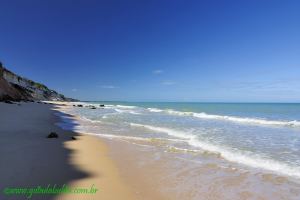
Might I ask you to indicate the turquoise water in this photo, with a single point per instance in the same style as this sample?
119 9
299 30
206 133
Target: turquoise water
280 111
259 135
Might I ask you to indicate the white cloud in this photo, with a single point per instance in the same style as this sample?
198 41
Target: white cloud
109 87
74 90
168 83
157 71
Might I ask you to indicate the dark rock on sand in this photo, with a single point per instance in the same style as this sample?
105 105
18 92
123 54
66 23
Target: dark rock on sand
79 105
52 135
9 102
74 138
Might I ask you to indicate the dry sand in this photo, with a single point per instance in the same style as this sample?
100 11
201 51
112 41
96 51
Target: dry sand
29 159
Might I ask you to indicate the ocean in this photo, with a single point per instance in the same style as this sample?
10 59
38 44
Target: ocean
261 138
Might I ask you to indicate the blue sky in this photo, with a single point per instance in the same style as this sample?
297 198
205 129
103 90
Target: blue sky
164 50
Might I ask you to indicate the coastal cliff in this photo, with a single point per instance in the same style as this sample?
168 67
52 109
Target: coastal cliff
16 88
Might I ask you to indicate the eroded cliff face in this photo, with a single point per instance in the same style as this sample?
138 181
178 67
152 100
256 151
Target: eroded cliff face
15 88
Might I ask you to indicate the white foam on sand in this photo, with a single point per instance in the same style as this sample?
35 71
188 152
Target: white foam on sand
245 158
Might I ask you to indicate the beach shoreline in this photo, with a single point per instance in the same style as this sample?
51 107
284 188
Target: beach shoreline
30 159
117 167
151 162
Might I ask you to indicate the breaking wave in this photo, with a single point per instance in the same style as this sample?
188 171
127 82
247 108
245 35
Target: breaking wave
245 158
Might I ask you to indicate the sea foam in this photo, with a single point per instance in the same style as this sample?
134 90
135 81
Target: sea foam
245 158
235 119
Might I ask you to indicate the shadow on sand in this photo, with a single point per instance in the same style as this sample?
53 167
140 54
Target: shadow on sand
28 158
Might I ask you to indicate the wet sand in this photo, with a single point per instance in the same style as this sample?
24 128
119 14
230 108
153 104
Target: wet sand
191 176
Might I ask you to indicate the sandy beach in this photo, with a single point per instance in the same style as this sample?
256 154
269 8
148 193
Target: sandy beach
29 159
100 166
